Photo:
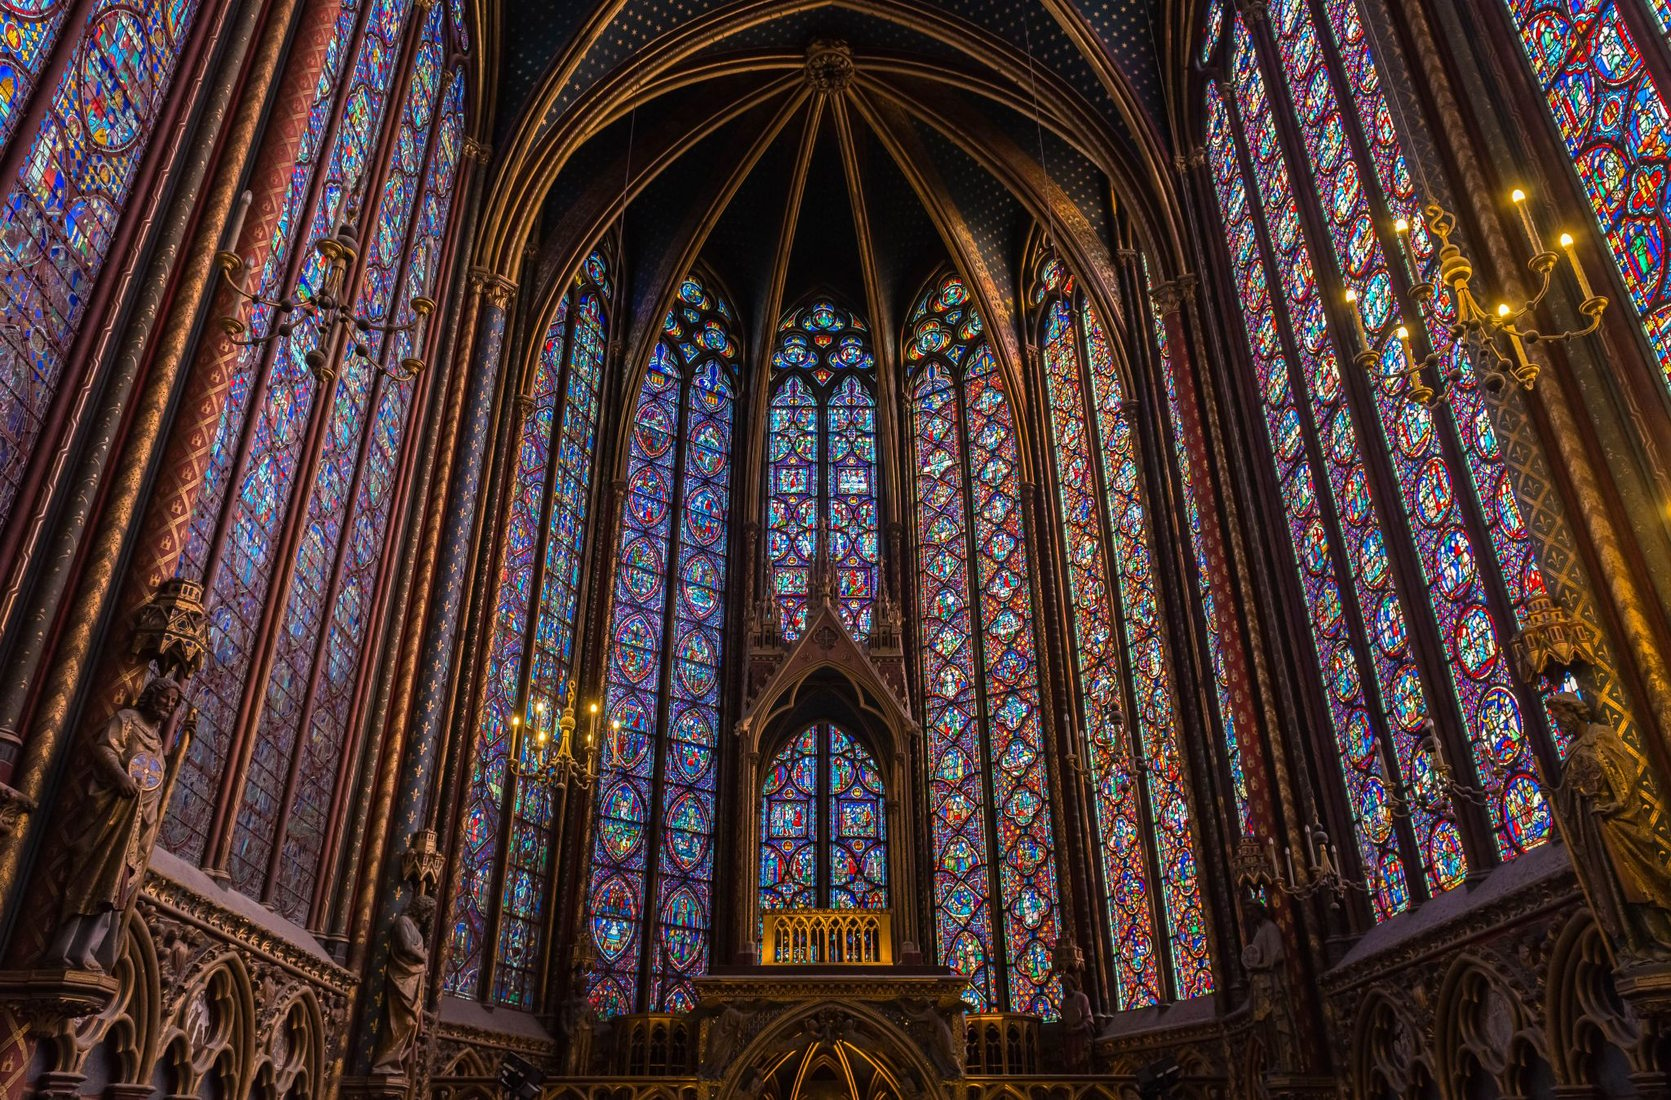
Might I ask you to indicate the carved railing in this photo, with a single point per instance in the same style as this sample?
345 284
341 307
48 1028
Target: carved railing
654 1044
828 937
1001 1043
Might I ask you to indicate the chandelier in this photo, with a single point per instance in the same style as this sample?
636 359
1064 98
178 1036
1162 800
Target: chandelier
550 761
325 304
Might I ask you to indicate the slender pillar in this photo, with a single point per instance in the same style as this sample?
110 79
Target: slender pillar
493 294
147 418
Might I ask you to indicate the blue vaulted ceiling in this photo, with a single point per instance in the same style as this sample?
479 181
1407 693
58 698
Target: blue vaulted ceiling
535 33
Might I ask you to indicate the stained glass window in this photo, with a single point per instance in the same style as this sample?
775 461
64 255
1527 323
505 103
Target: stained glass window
359 393
823 825
262 481
650 900
996 894
238 549
1344 534
1324 570
1188 480
61 215
530 653
1611 113
1144 828
1432 488
821 509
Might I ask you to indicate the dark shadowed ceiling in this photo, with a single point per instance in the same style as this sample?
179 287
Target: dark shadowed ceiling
958 127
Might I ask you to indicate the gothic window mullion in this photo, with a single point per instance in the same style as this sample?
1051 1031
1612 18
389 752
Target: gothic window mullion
1340 565
1096 640
269 740
658 742
378 347
529 726
1444 722
1121 657
1179 465
291 271
1509 550
1465 643
998 968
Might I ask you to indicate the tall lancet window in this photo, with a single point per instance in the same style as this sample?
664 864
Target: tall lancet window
821 506
1612 112
1411 550
1145 830
115 63
650 898
305 473
823 825
505 864
996 896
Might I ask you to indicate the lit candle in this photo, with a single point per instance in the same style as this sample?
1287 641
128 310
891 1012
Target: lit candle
1577 268
1401 230
1524 206
1357 319
235 227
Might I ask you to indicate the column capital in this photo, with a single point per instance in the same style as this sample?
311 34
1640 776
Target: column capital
495 287
1170 297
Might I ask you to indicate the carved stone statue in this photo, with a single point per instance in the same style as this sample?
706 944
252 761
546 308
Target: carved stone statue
1263 959
403 991
1079 1025
1607 816
725 1036
574 1022
114 827
933 1032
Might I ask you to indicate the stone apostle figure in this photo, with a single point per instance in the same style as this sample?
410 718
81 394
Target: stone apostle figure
1607 814
114 826
1079 1025
1262 958
403 992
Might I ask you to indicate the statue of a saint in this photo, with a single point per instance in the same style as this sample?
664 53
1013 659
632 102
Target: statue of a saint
113 826
403 992
574 1023
1079 1025
1607 815
933 1032
725 1035
1263 959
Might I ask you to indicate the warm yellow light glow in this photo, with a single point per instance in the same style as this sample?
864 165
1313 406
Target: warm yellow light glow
1566 240
1404 334
1518 195
1502 309
1401 226
1351 295
594 708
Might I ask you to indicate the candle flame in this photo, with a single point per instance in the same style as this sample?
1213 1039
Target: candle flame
1518 195
1351 295
1403 334
1566 240
1401 226
1502 309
